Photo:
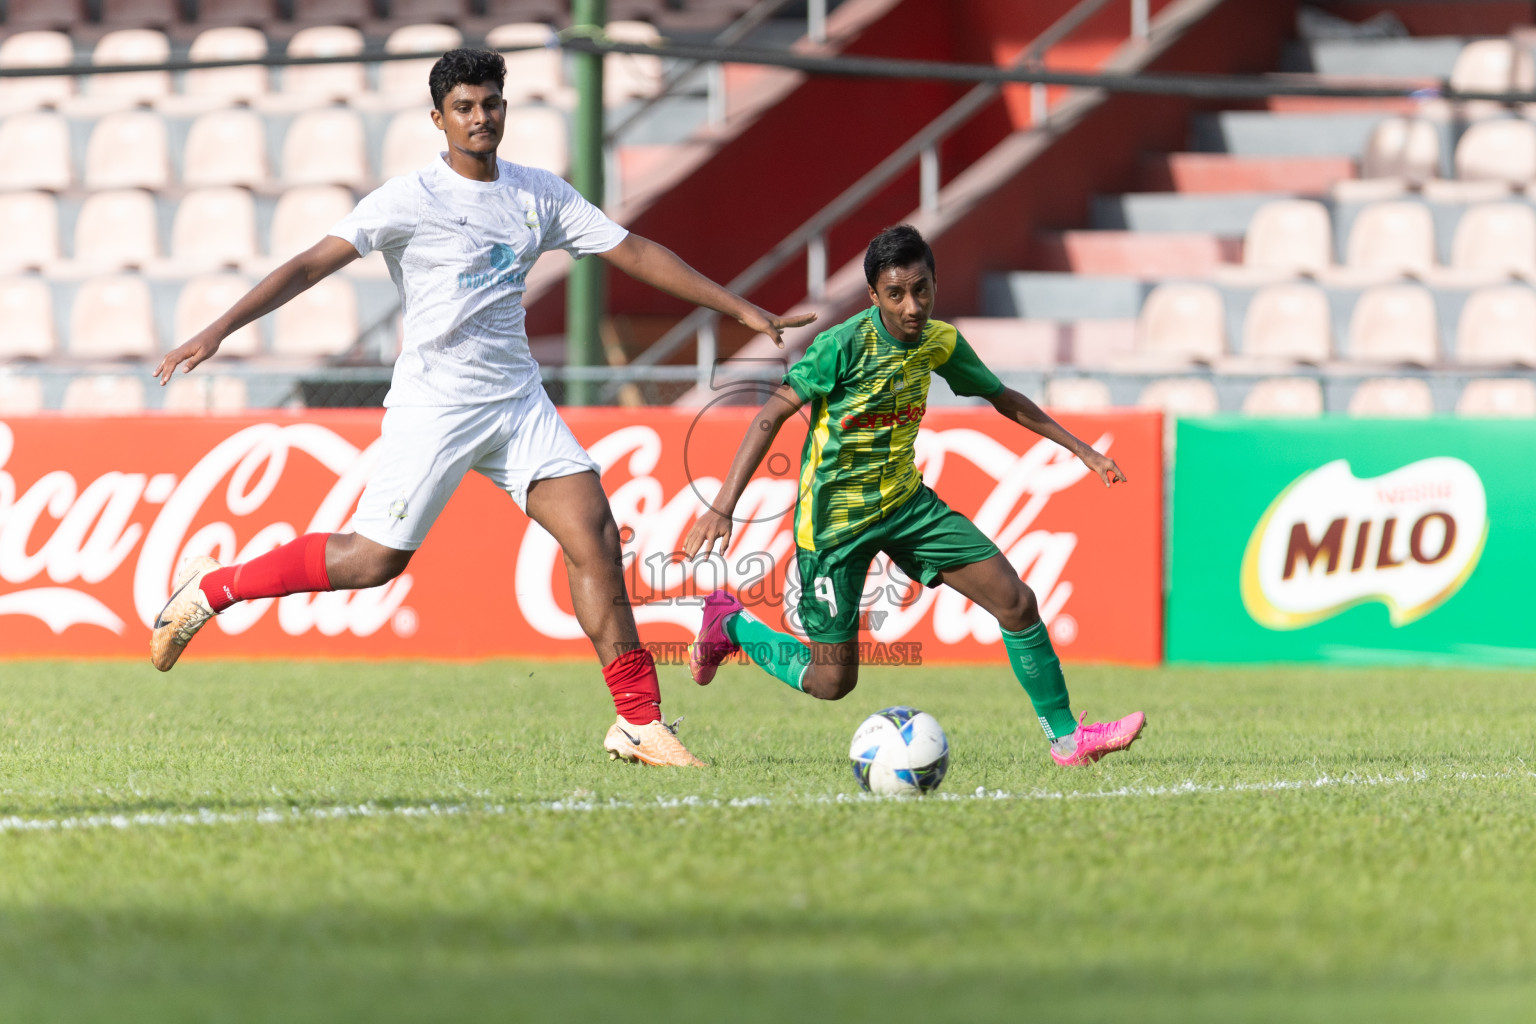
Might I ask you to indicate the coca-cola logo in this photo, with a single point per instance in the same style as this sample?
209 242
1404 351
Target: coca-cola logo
1409 539
97 527
668 589
94 550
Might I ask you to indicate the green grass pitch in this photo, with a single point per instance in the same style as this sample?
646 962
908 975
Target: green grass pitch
443 842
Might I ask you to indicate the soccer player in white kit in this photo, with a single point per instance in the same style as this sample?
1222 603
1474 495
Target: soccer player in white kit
459 237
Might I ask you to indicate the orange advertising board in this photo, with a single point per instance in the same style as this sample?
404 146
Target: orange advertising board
96 513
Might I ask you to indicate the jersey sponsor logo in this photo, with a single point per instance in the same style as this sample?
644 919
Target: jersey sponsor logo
1409 539
911 413
503 258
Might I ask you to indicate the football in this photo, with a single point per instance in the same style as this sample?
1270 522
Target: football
899 752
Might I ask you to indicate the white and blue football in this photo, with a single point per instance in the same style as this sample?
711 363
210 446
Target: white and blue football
899 752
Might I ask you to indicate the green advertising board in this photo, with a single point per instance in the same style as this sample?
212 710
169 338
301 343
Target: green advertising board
1363 541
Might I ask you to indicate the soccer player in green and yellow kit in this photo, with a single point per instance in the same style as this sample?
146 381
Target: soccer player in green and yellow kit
866 382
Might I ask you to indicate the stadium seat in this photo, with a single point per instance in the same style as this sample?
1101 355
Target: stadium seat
63 15
1076 394
325 147
214 227
628 76
303 216
1284 396
1006 343
640 10
131 46
1497 239
226 147
117 228
1507 396
406 80
29 230
329 13
411 142
1180 397
26 308
36 50
1403 148
410 12
1289 236
20 396
1498 327
206 298
1394 324
240 13
160 14
104 394
531 74
1405 397
227 394
128 150
1393 238
537 137
228 85
321 321
112 319
1501 151
198 394
34 152
1182 324
324 83
550 12
1491 65
1288 323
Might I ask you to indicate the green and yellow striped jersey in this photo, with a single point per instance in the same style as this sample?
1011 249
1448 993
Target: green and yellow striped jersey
866 394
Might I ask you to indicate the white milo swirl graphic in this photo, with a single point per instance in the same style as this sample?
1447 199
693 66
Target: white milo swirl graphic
1409 539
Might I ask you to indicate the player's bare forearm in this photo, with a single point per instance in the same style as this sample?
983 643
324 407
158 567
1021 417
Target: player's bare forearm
656 265
716 523
298 274
765 426
1021 410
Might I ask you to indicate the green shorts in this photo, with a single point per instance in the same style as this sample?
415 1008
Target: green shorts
923 536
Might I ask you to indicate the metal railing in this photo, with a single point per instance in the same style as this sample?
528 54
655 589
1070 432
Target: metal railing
683 75
923 148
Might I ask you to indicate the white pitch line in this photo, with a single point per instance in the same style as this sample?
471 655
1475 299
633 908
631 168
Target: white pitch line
294 815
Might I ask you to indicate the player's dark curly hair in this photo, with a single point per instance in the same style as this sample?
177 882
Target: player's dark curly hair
899 246
465 67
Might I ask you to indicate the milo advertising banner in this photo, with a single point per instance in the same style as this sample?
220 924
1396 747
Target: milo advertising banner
1353 541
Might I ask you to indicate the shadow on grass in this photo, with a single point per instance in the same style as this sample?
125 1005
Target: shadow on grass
339 965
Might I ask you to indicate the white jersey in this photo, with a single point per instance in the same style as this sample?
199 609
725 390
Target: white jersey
460 250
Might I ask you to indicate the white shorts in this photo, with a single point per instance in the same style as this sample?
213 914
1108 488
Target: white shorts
426 450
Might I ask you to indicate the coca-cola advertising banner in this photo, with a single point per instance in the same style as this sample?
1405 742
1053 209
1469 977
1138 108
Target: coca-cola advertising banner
1353 541
96 514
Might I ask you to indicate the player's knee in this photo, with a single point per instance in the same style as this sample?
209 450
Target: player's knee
1022 610
598 544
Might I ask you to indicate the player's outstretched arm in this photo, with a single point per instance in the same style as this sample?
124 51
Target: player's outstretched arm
659 267
306 269
715 524
1026 413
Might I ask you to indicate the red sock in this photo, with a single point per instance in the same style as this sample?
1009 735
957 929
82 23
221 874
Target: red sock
631 677
295 568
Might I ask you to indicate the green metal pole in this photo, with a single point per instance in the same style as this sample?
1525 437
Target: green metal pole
584 294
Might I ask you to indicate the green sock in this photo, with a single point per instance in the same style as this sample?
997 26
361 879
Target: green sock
1038 670
778 654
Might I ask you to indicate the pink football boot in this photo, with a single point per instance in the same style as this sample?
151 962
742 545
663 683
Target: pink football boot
712 645
1093 740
